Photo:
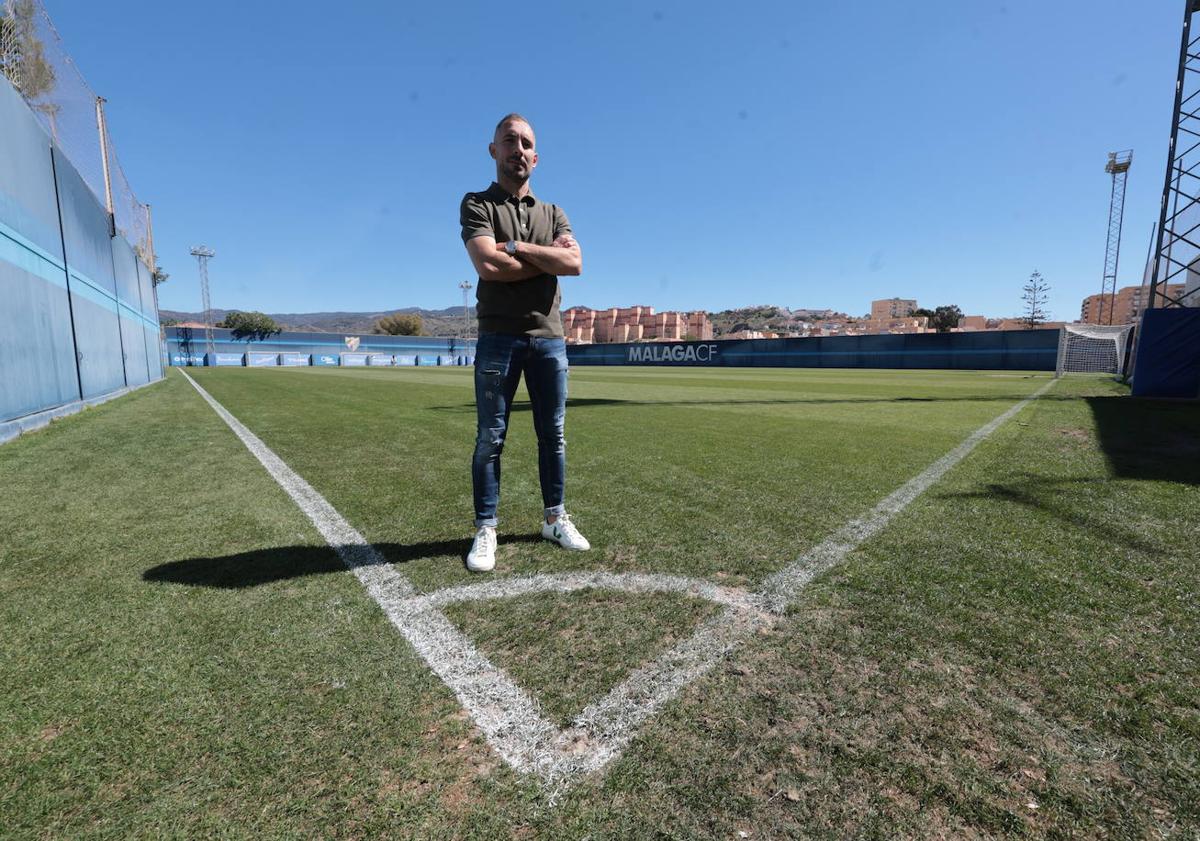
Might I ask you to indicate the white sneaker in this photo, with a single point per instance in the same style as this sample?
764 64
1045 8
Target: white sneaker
563 532
482 557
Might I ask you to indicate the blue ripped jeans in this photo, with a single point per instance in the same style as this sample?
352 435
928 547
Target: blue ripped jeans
500 359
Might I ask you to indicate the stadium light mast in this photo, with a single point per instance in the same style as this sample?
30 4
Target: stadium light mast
203 254
466 287
1118 167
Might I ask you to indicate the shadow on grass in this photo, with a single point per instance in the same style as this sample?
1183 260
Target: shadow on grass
598 402
1047 495
1149 439
264 566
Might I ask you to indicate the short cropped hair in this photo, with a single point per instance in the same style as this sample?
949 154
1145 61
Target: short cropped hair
509 118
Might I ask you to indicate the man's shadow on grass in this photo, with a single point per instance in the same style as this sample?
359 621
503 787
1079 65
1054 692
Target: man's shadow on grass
265 566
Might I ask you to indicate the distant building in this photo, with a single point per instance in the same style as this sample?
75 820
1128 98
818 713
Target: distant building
582 325
1127 306
892 308
972 323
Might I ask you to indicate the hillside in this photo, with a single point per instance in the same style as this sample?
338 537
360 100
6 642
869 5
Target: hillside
445 322
763 317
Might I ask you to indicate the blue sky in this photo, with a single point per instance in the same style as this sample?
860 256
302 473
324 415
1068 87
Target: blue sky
710 155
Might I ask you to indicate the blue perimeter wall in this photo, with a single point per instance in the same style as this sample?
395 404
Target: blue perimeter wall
78 318
184 342
1012 350
1168 354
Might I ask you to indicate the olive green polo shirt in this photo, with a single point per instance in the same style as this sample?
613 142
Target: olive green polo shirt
531 306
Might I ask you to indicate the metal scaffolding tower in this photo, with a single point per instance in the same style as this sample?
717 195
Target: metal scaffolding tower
1118 167
1177 249
203 253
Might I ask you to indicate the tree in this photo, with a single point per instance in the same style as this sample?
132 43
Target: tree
1035 298
946 318
251 326
943 319
399 325
159 276
23 56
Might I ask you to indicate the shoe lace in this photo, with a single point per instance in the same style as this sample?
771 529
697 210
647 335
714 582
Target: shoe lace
485 539
564 521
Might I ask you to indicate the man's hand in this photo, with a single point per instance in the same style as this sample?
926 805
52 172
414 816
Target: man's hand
563 257
492 263
564 241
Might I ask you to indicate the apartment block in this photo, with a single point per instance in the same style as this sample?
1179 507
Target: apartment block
633 324
1127 306
892 308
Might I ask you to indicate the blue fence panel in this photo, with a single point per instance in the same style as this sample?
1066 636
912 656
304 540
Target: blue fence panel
37 351
150 328
90 277
74 313
1027 350
259 359
185 340
1168 354
133 322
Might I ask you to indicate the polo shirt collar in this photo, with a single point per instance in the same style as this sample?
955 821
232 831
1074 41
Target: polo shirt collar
502 195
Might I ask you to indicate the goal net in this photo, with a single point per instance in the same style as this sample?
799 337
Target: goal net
1092 348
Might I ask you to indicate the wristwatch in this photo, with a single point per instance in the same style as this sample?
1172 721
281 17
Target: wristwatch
510 248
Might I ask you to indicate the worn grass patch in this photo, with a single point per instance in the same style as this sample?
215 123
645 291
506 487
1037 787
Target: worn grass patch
568 649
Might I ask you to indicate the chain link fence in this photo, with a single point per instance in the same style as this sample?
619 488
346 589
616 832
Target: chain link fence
34 59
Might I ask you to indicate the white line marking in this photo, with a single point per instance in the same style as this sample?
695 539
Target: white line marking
511 720
508 717
568 582
781 588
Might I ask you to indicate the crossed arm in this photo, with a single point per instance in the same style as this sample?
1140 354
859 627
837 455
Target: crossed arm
492 262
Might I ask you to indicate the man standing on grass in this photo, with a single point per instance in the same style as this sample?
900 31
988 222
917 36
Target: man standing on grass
519 246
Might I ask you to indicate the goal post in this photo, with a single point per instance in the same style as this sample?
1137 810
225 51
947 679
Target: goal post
1092 348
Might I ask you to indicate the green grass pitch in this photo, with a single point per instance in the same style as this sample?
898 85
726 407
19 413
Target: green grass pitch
1016 654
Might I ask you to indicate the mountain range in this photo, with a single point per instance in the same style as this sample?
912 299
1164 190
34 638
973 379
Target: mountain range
446 322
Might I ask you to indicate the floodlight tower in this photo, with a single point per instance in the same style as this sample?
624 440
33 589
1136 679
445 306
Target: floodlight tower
1118 167
466 287
203 253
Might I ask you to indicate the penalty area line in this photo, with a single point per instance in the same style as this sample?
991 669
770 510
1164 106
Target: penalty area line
782 588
